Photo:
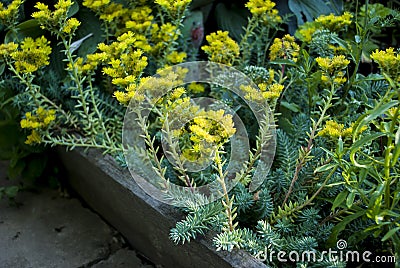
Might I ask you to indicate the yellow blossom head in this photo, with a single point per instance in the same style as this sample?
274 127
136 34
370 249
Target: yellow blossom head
221 48
388 61
333 69
329 22
175 8
9 14
285 48
32 55
37 123
265 11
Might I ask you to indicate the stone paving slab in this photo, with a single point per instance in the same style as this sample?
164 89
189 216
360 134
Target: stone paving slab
48 230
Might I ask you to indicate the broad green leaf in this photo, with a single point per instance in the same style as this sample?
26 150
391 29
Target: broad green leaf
73 9
291 106
342 225
371 115
339 199
310 9
90 24
350 199
29 28
390 233
231 19
325 168
359 144
283 61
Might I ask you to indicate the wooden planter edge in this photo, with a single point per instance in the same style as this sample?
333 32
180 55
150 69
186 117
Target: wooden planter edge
112 192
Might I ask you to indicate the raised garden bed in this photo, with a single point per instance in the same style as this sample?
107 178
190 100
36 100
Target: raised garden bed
145 222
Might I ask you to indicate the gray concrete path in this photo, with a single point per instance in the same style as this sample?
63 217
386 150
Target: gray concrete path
48 230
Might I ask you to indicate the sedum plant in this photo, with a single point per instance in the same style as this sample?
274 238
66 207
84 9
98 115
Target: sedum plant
335 172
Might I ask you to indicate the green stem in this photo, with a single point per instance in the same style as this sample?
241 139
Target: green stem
179 164
364 33
96 110
308 202
78 82
79 143
244 45
227 202
307 150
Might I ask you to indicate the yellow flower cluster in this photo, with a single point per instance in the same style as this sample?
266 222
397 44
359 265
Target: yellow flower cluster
32 55
195 88
265 91
334 130
96 5
56 21
285 48
90 64
265 11
331 22
160 36
114 12
332 69
209 129
176 57
124 97
174 8
335 23
392 111
212 126
389 62
154 86
7 49
9 14
140 19
124 64
221 48
40 121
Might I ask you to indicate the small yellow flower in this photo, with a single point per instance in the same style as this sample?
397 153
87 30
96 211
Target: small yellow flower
332 69
113 12
56 21
273 91
33 54
71 25
177 93
33 138
96 4
221 48
7 49
38 122
265 11
195 88
285 48
388 61
140 20
334 130
176 57
335 23
174 7
330 22
9 14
